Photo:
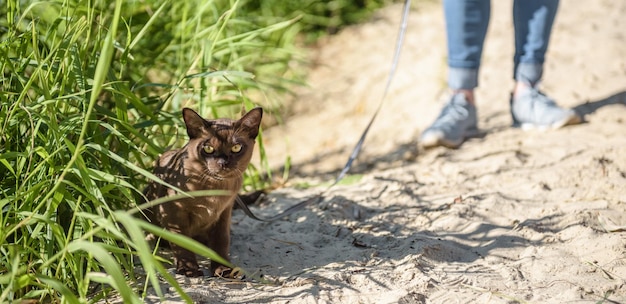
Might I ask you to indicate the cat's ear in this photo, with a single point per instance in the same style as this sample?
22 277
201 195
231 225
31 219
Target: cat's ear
251 121
196 125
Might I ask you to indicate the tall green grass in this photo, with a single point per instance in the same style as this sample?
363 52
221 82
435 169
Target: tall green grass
319 18
91 92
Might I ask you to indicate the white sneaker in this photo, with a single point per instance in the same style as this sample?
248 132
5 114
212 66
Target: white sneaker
532 109
456 122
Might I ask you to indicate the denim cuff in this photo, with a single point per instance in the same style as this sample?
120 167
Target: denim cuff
462 78
529 73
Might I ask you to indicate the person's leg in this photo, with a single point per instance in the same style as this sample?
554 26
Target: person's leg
466 27
533 21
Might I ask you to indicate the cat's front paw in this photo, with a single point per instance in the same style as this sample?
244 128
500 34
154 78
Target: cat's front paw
222 271
191 273
188 269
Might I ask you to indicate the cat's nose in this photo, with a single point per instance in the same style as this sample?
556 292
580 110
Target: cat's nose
222 162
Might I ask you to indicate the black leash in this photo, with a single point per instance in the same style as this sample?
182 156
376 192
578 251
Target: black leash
359 145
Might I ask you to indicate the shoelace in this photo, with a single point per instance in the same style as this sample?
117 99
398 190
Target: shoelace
454 110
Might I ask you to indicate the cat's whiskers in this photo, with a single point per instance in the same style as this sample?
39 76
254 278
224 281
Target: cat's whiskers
207 177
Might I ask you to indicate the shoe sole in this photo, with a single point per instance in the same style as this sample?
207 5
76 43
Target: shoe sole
570 120
438 139
437 142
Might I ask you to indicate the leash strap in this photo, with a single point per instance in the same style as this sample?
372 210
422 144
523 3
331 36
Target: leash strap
359 145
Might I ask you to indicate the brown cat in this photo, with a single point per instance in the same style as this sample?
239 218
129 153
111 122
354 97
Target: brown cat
217 154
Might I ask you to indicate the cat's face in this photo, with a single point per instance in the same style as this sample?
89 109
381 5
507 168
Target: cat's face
222 148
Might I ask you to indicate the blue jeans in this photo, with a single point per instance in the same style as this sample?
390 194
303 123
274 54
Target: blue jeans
466 27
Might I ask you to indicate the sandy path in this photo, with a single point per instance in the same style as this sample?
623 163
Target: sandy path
510 217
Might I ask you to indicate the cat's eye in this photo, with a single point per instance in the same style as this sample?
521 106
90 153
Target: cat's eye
236 148
208 149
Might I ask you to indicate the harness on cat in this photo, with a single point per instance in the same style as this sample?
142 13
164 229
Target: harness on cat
357 148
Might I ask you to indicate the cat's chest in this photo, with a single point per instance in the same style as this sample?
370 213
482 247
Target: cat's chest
229 185
203 213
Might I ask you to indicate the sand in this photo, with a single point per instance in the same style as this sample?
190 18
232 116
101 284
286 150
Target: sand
511 217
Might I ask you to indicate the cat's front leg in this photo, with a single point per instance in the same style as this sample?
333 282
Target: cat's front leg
219 241
185 260
186 263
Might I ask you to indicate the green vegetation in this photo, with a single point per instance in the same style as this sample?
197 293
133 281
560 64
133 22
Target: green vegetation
318 17
90 94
